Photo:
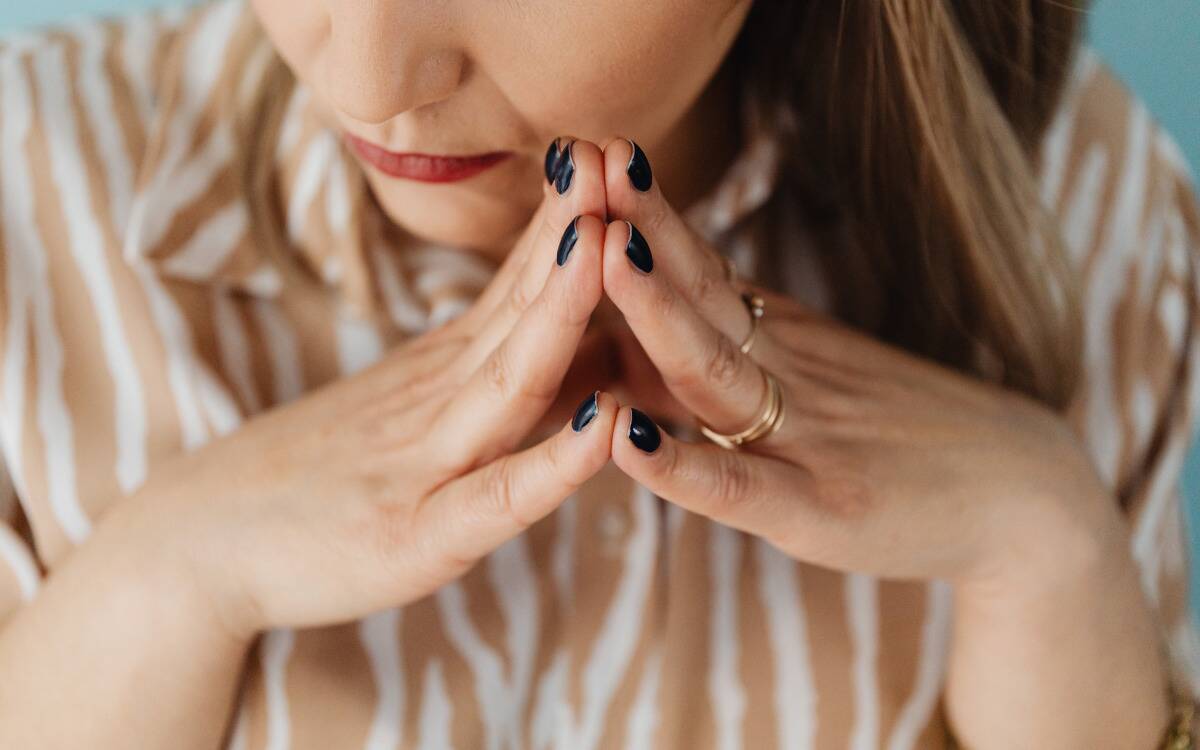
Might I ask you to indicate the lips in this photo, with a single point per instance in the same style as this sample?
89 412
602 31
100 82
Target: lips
424 167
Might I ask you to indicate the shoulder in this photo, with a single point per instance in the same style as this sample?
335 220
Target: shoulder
84 107
1125 200
1109 170
86 58
86 97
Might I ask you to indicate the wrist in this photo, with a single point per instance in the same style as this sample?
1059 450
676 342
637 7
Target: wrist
1059 631
1044 549
162 549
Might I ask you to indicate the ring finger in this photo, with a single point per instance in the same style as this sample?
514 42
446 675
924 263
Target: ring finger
700 364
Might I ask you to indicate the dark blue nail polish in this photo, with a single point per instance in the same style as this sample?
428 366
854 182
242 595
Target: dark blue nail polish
586 412
565 170
643 433
552 156
638 251
638 169
567 243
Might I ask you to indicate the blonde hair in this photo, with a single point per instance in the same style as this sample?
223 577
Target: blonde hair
911 131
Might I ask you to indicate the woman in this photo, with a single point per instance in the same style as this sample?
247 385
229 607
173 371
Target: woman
323 445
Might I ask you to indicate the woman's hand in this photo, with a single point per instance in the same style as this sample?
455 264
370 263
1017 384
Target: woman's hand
377 489
895 466
361 495
885 463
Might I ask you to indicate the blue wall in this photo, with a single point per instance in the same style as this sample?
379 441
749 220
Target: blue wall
1154 46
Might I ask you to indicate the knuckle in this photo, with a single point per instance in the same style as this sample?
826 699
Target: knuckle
521 296
574 304
722 364
389 522
663 301
498 373
552 458
837 408
847 497
704 285
557 464
502 499
841 487
507 378
733 483
428 556
655 218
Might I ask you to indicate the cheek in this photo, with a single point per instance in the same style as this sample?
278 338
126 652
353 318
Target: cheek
296 29
627 68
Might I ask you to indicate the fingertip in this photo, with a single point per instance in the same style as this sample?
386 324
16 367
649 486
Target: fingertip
637 438
644 296
591 229
643 432
627 175
591 261
577 271
608 141
586 412
616 234
581 179
617 153
590 429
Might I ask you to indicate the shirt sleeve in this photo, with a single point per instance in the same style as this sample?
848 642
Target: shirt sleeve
1162 401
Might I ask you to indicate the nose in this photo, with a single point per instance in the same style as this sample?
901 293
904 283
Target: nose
386 57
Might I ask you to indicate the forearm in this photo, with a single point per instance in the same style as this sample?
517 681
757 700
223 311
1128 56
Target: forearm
1069 660
119 649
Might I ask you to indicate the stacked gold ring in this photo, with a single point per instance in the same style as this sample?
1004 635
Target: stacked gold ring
769 420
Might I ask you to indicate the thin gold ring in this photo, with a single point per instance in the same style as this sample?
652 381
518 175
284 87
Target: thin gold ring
768 422
756 305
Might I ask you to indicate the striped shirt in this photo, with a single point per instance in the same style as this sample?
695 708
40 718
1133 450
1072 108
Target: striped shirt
139 319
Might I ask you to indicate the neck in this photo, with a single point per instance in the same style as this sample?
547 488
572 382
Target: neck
694 155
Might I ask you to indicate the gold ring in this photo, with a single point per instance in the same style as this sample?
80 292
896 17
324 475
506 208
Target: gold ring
767 423
756 305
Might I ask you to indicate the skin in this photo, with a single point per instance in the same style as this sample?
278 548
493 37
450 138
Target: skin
460 78
884 463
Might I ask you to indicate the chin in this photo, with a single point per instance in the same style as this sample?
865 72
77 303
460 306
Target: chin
451 216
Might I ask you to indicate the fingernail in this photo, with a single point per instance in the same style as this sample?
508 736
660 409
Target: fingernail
643 433
638 169
638 251
586 412
552 156
565 170
567 243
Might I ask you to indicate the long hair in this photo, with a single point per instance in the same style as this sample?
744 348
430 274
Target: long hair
910 132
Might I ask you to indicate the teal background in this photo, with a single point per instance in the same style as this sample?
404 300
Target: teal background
1153 46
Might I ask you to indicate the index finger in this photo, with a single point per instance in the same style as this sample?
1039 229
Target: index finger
695 268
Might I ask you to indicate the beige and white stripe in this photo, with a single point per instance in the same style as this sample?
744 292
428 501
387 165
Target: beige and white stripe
140 320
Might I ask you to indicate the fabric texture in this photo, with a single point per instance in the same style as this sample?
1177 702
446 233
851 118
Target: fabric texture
140 319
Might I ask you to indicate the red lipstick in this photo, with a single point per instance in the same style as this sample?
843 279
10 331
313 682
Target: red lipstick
424 167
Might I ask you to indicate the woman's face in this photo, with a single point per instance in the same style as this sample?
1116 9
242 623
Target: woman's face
469 77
